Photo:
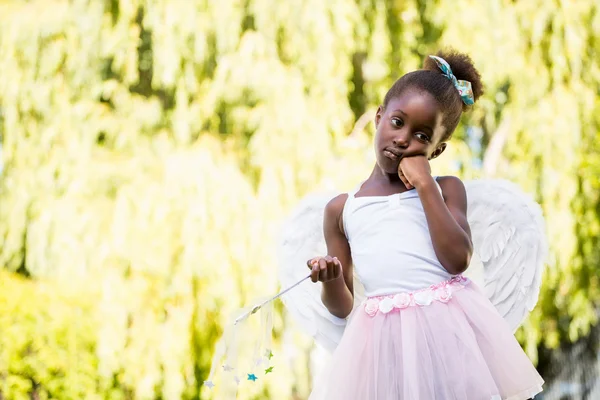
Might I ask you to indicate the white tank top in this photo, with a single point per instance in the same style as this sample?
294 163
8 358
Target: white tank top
391 247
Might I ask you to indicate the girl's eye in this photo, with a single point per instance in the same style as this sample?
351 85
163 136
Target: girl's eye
397 122
422 136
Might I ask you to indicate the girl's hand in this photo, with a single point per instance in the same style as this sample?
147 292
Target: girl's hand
413 171
324 269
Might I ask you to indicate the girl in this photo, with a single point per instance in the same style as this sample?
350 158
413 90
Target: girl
425 332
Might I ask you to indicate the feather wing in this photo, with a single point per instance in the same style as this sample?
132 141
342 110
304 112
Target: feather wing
509 238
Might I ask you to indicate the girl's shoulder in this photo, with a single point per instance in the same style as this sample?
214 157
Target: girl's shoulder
451 186
449 180
336 204
334 210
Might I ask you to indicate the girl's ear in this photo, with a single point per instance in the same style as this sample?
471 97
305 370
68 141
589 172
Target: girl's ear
439 150
378 116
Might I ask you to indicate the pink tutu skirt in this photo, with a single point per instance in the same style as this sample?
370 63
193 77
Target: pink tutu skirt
446 342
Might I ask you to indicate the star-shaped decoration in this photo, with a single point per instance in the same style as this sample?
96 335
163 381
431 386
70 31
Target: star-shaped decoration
270 369
252 377
227 368
209 384
268 354
236 379
259 361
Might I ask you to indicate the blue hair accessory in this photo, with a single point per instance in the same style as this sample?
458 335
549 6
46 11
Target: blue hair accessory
463 87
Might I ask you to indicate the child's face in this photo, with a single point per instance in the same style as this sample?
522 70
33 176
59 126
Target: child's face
411 125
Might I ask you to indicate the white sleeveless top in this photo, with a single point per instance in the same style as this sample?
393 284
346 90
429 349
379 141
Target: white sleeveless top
391 247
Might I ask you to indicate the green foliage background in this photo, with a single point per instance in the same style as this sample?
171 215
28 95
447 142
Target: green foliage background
150 148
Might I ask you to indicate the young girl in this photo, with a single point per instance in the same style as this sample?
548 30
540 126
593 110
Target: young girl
425 332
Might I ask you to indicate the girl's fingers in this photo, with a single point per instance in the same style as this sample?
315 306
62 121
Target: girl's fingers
337 267
405 181
314 274
323 269
315 269
328 271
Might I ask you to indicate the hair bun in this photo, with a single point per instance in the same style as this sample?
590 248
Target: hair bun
462 68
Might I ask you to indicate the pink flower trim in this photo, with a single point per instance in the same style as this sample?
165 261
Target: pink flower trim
441 292
402 300
371 306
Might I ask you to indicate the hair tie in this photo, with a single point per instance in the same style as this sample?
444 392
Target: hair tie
463 87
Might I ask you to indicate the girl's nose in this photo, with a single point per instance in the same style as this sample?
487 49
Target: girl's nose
401 140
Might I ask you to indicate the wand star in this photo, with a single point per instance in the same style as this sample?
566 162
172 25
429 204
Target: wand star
269 354
227 368
209 384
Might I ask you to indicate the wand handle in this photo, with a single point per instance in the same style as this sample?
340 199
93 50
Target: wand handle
258 307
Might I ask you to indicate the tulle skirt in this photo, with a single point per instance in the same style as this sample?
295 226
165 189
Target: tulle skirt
444 343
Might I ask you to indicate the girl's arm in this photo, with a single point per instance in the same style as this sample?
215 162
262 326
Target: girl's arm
447 221
338 290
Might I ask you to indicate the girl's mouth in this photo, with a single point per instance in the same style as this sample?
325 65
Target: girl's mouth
390 155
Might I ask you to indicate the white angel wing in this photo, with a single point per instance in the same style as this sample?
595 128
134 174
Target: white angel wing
511 247
301 239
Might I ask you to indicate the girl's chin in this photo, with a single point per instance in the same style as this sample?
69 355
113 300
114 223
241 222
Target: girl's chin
388 168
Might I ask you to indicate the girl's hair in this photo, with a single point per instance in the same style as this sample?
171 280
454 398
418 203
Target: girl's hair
431 80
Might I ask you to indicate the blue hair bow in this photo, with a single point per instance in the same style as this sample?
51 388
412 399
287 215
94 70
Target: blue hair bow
463 87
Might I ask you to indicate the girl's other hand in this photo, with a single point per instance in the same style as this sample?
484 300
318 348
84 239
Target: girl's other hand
413 171
324 269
